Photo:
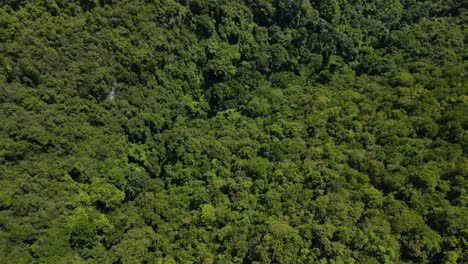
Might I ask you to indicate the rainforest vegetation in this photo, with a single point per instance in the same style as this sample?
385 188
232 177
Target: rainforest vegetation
233 131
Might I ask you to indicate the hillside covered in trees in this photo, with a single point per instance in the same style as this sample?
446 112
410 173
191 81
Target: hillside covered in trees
233 131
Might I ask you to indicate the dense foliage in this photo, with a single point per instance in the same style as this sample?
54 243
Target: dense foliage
233 131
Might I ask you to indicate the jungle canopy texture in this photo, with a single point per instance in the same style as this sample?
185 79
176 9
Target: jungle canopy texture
233 131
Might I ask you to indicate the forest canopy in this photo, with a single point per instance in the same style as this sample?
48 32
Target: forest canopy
241 131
